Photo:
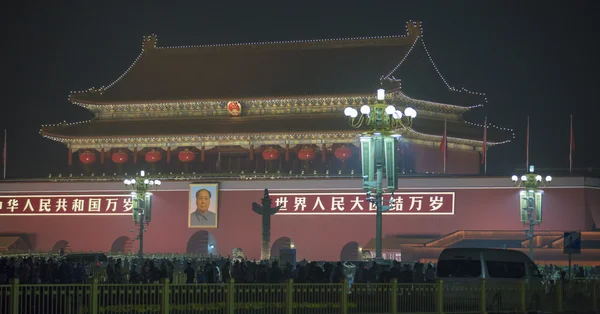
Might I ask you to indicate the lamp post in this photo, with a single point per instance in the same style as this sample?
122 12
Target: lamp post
383 126
141 197
531 201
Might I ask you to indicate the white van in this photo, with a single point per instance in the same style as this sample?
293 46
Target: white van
506 273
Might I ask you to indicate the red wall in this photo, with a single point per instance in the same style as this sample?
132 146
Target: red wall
430 159
315 237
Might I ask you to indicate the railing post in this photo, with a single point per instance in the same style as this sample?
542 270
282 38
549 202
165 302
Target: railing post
344 296
483 296
394 296
523 291
94 295
440 297
231 297
166 296
595 295
559 296
14 296
289 300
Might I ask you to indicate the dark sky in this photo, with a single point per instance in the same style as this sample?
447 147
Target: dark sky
530 59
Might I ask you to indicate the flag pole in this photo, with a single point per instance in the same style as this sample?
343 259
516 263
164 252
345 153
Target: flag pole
445 145
571 146
485 153
527 160
4 157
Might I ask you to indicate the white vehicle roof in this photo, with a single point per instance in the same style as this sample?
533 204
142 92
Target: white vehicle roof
487 254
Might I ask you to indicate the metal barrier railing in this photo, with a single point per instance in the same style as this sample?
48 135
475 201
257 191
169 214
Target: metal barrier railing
297 298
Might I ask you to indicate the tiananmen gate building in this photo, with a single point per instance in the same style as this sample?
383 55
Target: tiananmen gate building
232 120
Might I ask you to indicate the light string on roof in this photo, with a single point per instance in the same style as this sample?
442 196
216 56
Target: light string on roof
301 102
454 89
491 125
462 89
458 139
401 94
387 77
65 123
260 43
145 39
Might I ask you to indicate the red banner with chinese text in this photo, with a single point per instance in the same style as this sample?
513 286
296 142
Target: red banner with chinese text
412 203
66 205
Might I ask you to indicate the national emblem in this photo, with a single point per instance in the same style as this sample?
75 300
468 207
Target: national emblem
234 108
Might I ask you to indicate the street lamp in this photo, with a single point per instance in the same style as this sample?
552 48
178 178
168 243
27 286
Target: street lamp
383 125
531 201
141 197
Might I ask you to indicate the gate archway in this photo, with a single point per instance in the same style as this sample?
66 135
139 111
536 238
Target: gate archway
62 244
281 243
202 243
122 245
351 252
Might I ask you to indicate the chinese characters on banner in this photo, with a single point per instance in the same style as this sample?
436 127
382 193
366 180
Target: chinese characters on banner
417 203
63 205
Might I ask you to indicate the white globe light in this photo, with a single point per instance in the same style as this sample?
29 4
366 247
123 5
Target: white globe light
348 111
365 109
146 181
399 114
132 181
410 112
151 182
390 109
514 178
395 115
538 177
523 178
354 113
157 182
548 178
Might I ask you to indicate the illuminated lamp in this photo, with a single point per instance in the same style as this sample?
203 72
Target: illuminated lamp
343 153
120 157
306 154
153 156
186 155
87 157
270 154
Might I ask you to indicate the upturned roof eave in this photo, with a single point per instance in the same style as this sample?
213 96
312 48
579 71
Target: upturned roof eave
413 134
397 95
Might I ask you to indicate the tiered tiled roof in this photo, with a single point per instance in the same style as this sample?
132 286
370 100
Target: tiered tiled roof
286 89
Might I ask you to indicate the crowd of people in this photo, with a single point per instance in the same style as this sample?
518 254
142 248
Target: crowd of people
555 273
179 270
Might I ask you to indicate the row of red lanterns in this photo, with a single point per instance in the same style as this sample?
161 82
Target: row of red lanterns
307 153
121 157
153 156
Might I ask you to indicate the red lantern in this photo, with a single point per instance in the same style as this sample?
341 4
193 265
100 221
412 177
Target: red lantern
270 154
120 157
186 155
153 156
306 154
87 157
343 153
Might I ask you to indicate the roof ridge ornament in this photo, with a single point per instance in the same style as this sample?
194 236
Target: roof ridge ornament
149 42
414 28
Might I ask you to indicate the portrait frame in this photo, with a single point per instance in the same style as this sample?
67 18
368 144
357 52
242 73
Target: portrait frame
213 208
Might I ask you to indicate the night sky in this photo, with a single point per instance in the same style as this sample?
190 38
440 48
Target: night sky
530 60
